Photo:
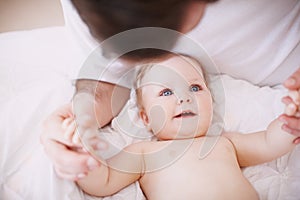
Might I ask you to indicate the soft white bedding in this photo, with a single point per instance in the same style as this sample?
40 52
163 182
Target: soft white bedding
35 78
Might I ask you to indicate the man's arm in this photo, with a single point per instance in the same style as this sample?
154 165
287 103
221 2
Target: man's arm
261 147
100 100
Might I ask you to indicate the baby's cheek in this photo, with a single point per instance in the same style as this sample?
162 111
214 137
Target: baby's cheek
157 118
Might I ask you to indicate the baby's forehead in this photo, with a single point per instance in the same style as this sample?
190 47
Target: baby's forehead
167 77
177 65
177 70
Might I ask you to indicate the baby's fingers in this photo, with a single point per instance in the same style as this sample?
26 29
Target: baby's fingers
76 139
70 131
67 122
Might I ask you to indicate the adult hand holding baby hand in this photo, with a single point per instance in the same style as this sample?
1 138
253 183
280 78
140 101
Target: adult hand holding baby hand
293 103
87 126
291 118
68 164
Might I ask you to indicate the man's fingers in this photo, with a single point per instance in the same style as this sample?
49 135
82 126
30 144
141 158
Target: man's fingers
291 109
297 140
85 164
73 162
52 126
291 131
67 176
293 82
68 162
64 111
71 177
295 96
291 124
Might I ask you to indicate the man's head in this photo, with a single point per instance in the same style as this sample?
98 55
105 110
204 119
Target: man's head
106 18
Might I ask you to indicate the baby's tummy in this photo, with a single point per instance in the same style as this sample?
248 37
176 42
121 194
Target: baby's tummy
199 182
226 184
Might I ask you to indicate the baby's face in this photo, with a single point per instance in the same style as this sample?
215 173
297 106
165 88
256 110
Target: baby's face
177 103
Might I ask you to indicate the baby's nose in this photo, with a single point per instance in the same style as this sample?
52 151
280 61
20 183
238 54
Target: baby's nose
184 98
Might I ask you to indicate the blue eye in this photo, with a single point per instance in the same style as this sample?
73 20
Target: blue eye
195 88
166 92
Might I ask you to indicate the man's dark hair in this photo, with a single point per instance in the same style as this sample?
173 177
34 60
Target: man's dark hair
106 18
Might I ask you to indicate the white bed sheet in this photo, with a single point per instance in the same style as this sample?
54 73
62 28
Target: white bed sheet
35 78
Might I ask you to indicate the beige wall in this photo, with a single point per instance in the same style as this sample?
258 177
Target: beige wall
29 14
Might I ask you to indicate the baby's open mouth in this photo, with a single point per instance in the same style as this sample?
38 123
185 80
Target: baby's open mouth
185 114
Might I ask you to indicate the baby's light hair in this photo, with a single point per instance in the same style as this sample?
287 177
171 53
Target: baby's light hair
143 69
197 64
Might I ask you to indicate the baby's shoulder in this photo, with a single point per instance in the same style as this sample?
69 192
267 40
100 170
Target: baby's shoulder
225 142
145 146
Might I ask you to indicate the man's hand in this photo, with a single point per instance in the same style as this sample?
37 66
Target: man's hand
292 122
68 164
94 105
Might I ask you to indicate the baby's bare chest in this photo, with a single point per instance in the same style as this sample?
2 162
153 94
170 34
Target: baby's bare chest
194 160
192 175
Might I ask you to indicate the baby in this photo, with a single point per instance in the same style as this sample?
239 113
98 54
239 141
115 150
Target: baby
175 104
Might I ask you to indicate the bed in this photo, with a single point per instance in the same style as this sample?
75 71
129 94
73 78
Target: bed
36 70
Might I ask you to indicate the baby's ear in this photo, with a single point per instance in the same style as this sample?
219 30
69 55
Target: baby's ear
144 117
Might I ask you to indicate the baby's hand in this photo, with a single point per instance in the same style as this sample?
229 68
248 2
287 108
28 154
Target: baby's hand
88 133
292 109
69 126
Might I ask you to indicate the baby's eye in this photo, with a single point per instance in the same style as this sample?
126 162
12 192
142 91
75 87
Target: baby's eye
195 88
166 92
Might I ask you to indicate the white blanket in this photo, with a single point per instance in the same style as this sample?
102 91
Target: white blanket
35 78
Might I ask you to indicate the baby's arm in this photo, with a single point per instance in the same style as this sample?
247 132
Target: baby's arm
264 146
261 147
115 173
